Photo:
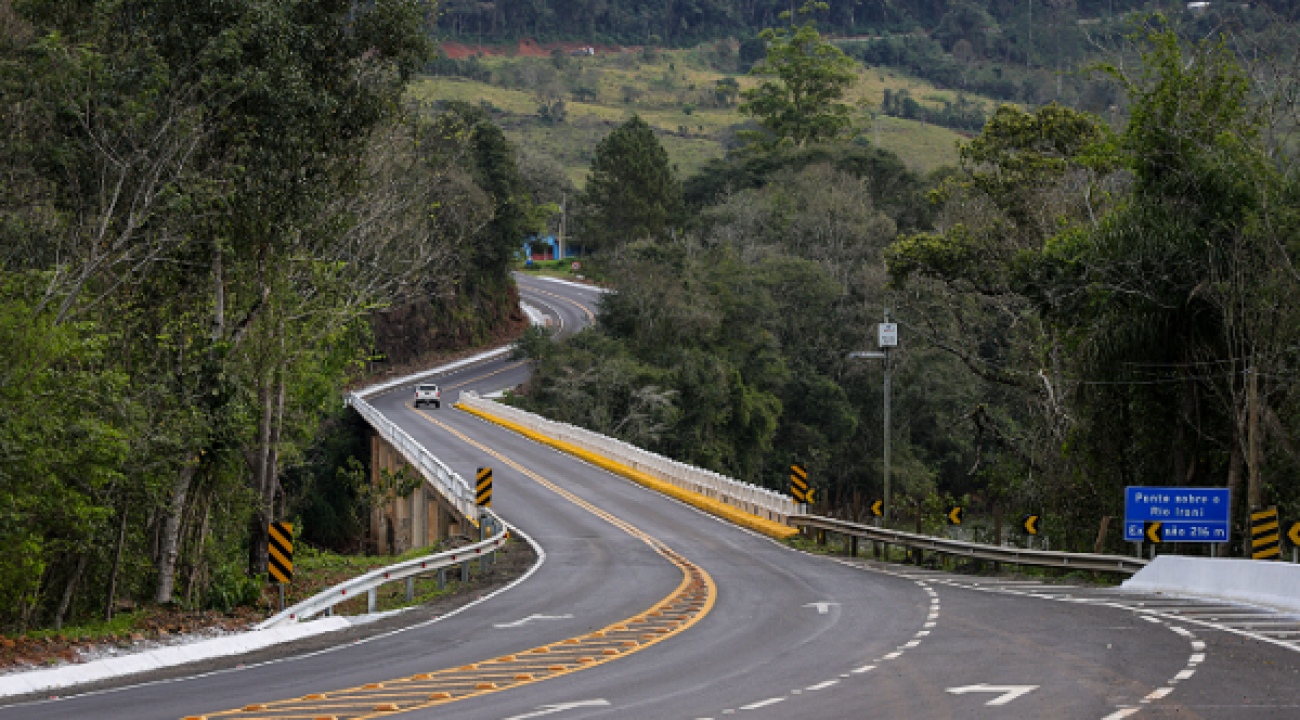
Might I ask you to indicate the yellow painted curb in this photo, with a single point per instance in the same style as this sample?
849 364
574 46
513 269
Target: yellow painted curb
708 505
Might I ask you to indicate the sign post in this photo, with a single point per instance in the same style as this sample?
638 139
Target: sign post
279 554
1176 514
1265 534
799 486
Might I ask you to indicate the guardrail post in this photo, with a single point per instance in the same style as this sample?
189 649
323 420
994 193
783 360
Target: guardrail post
482 535
372 600
464 571
410 589
442 579
853 546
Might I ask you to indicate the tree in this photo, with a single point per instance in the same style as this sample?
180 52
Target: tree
633 191
802 103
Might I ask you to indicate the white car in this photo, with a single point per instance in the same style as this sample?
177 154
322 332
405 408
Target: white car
428 394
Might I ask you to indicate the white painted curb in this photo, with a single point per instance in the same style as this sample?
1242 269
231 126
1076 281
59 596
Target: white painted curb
1260 582
535 316
67 675
570 283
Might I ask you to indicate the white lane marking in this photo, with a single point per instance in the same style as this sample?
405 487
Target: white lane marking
762 703
922 633
1121 714
1158 693
822 607
1198 645
1006 693
912 644
864 668
822 685
560 707
891 656
530 618
1196 659
1184 675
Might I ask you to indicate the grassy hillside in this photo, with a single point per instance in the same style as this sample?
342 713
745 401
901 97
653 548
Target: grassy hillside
673 92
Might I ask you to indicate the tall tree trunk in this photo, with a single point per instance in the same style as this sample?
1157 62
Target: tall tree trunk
111 596
69 590
1254 458
171 528
1234 490
261 465
197 565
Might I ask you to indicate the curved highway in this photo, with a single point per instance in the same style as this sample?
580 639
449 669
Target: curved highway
644 607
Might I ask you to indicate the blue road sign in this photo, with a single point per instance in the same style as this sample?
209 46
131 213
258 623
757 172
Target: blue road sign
1187 514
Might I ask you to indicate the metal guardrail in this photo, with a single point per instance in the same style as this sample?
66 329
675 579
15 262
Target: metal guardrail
979 551
450 485
406 570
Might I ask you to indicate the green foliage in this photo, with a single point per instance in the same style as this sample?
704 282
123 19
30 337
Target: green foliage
802 105
230 588
632 192
895 189
203 206
1149 263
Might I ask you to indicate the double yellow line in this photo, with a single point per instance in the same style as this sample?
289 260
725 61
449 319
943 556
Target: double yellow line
686 605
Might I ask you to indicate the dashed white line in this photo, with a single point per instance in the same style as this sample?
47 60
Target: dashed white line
1158 693
762 703
823 685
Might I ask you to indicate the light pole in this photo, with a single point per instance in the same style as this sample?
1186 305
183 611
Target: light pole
886 338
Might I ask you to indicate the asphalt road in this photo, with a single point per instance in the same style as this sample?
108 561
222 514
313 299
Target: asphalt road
731 623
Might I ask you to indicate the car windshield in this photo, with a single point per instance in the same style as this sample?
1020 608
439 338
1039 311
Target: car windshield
428 388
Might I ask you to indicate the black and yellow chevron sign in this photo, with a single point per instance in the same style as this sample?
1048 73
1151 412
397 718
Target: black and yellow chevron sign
1265 535
483 492
1154 532
1029 524
1294 534
954 515
878 508
799 484
279 551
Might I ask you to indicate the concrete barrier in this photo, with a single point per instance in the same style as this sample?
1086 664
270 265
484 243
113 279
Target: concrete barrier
50 679
1260 582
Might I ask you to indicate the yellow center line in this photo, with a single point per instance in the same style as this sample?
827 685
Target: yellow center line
687 604
590 315
486 375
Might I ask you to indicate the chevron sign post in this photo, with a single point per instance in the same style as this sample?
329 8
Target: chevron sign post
800 489
483 489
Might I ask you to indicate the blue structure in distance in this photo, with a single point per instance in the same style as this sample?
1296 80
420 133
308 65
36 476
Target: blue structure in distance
1187 514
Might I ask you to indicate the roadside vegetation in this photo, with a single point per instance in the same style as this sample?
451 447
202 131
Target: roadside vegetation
1085 301
212 219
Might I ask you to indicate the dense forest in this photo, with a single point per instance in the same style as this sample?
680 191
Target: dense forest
212 217
1086 302
1009 29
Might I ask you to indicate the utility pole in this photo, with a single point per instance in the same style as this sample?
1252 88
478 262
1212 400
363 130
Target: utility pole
564 199
881 339
886 339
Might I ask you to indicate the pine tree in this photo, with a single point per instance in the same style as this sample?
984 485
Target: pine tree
633 191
